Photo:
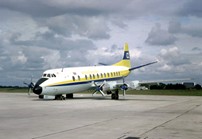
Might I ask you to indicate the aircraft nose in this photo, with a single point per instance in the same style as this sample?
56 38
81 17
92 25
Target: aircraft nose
37 89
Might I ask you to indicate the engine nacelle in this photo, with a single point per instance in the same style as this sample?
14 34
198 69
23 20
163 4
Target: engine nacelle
109 86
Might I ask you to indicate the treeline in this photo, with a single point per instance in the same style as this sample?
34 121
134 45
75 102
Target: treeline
174 87
14 87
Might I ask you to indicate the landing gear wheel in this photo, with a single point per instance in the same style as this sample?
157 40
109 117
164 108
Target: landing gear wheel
59 97
63 98
115 95
41 96
69 96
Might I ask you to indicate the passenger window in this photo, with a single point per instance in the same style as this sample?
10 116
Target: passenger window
108 74
111 74
48 75
98 76
93 76
105 75
78 77
73 78
90 76
86 77
101 75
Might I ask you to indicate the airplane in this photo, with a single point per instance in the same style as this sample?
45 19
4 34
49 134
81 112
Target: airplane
55 83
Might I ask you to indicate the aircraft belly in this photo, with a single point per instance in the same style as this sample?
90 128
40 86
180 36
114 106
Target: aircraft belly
55 90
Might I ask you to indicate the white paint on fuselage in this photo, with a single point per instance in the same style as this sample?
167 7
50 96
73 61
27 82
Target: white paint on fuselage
63 82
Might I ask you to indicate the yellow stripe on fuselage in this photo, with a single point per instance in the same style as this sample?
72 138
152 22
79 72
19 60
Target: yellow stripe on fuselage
112 75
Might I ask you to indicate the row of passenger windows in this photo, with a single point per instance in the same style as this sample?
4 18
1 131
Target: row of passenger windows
98 76
49 75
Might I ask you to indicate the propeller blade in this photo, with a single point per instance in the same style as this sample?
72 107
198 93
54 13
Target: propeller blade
103 94
30 86
29 91
99 89
95 92
26 83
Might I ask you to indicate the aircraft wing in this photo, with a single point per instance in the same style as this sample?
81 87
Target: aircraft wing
133 68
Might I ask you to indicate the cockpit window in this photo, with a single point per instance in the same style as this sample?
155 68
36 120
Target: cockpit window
49 75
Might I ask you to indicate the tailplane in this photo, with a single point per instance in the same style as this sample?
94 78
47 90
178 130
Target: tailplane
126 58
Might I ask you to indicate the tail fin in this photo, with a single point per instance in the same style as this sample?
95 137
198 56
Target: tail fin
126 58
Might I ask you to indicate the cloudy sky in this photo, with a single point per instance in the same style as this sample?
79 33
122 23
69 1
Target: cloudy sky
36 35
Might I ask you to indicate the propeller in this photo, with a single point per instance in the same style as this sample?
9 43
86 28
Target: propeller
30 86
99 89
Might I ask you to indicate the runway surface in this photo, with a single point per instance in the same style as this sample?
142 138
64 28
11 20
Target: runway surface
87 117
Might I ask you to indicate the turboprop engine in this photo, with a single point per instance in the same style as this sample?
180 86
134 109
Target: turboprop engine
109 86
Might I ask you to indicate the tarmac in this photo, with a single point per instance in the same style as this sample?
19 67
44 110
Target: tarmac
87 117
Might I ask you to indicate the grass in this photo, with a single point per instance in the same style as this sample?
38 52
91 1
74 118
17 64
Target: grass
166 92
130 92
14 90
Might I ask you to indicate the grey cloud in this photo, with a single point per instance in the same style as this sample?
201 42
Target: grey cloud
191 30
191 8
158 36
174 27
173 57
43 8
46 51
127 8
66 25
196 49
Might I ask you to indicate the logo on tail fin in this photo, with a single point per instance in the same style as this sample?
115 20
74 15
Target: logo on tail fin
126 58
126 55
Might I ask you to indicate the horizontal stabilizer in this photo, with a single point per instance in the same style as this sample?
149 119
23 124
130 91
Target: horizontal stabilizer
133 68
104 64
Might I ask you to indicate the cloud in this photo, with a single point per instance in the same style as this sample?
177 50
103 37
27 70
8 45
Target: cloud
191 8
196 49
90 27
158 36
194 29
172 56
42 8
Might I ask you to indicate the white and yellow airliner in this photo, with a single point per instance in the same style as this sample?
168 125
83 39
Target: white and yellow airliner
103 79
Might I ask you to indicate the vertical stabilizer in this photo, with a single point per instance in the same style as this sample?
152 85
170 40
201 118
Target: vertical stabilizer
126 58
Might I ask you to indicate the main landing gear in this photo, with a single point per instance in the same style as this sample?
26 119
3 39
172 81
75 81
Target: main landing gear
61 97
115 95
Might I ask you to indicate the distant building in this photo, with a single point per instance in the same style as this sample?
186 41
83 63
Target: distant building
189 85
